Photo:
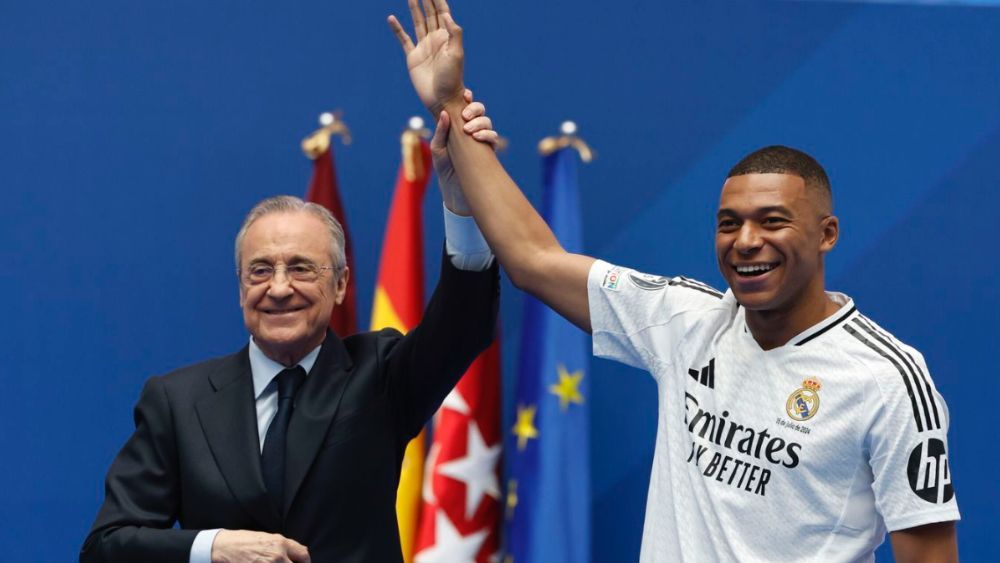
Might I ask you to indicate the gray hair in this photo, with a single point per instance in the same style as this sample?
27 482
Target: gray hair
292 204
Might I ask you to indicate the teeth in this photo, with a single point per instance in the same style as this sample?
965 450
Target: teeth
749 269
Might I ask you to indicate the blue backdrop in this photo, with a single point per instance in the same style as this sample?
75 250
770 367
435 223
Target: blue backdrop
135 135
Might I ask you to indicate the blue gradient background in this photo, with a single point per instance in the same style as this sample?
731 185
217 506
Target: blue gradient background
137 134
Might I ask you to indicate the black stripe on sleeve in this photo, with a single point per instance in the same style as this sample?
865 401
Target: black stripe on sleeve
684 282
919 378
827 327
909 388
913 374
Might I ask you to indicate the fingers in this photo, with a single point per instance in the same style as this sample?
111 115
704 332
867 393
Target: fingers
453 29
467 95
442 8
404 40
296 551
473 110
419 25
478 124
440 139
432 16
490 137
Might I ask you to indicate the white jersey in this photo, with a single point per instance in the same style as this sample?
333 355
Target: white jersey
807 452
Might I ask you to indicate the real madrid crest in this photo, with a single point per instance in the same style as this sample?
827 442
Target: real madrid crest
803 403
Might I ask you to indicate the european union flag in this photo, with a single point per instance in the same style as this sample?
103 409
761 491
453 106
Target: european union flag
548 496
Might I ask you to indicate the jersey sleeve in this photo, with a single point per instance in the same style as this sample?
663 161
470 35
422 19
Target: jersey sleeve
908 445
636 318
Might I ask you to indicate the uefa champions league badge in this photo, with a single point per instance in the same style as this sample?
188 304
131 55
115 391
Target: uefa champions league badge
803 403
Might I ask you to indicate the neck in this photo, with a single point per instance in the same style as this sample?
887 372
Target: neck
775 327
290 356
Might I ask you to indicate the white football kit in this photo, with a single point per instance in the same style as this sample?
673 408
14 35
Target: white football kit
807 452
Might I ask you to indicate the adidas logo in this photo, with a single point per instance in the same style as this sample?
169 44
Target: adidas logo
706 376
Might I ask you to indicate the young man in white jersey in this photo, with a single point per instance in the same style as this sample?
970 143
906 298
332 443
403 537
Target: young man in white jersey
791 427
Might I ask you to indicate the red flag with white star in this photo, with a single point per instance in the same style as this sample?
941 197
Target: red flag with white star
461 505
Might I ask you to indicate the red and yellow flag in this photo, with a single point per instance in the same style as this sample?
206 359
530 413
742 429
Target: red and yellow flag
399 303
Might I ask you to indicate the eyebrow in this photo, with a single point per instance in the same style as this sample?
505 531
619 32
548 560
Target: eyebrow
780 209
294 259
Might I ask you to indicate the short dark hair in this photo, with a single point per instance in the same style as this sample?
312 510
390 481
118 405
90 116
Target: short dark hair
778 159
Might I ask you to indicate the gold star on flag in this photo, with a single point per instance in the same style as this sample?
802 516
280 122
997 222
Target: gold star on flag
511 498
568 388
524 428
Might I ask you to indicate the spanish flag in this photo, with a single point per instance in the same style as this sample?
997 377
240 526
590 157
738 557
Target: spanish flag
399 303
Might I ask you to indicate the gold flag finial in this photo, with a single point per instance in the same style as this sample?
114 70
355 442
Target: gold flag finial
413 160
549 145
319 140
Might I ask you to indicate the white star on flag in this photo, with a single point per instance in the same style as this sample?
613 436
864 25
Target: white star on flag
449 545
427 490
456 402
477 470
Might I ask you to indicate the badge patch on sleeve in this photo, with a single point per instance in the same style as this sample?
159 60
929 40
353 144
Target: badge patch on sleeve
612 279
647 282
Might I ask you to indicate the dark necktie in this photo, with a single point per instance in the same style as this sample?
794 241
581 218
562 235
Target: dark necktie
272 458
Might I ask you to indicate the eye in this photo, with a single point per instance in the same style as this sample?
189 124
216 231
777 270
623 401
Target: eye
726 225
300 269
260 272
774 221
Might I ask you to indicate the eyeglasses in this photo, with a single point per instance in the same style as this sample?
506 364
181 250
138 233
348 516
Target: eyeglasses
262 273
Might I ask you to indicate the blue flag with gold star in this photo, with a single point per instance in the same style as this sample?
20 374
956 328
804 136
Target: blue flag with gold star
548 488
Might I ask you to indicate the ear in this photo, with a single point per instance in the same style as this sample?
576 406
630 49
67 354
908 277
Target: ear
829 232
340 286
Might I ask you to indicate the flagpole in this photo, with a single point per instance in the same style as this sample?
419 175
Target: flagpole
569 138
331 123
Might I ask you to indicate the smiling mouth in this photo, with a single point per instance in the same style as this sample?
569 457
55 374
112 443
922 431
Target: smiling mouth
283 311
754 270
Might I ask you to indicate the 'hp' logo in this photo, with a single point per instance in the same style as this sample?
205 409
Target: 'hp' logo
928 471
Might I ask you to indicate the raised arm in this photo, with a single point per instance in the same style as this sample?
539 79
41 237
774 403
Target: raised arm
522 242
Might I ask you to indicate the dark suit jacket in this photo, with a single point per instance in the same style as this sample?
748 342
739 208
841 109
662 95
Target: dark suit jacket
194 458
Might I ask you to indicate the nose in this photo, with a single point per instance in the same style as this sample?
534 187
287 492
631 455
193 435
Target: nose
279 287
747 239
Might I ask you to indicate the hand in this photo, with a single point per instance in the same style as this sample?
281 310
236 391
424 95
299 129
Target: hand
480 127
435 62
237 546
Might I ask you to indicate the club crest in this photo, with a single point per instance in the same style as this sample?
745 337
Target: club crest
803 403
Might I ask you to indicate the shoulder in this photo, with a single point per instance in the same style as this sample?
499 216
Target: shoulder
611 278
188 383
898 371
371 344
652 298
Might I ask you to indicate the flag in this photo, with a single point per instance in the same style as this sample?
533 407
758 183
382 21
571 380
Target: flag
547 509
460 512
324 191
399 303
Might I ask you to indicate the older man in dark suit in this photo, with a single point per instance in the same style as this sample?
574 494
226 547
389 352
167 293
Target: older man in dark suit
290 449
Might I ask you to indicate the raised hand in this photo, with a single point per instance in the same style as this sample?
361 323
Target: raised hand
480 127
435 61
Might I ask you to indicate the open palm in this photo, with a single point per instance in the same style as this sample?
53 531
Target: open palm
435 61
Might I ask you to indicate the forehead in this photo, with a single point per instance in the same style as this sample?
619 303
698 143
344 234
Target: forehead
283 235
748 192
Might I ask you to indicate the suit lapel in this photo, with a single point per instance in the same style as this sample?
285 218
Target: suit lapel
229 419
316 405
